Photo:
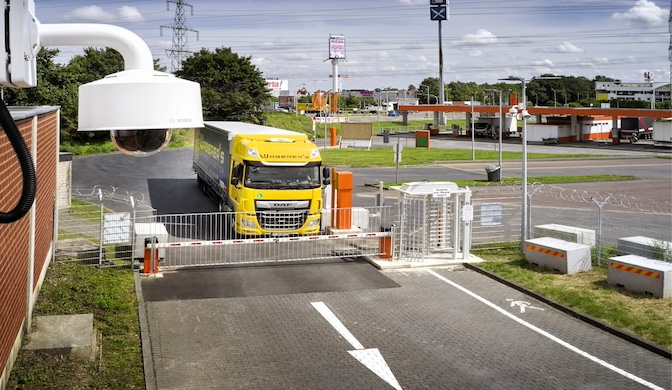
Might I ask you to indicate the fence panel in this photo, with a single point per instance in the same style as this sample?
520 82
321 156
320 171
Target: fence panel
91 233
205 239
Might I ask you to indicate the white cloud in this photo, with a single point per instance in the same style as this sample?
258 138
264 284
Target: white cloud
130 14
569 47
89 13
475 53
482 37
645 13
295 57
413 2
94 13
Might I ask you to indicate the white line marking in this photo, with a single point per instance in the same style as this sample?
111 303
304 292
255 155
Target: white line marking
371 358
337 324
550 336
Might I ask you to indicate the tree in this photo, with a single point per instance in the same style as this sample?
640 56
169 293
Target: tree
231 87
55 87
427 88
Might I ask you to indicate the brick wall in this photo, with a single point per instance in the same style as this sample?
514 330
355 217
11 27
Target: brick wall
15 237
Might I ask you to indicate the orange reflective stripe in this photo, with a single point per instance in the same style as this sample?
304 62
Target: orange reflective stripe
545 250
638 271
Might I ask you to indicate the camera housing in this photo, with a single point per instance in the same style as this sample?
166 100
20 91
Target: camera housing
139 108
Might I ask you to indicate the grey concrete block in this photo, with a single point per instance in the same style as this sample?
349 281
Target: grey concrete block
69 335
559 255
645 247
567 233
641 274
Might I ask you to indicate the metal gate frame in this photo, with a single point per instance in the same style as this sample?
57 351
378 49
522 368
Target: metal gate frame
365 238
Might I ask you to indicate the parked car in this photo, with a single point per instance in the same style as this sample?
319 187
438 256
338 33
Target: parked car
481 129
393 113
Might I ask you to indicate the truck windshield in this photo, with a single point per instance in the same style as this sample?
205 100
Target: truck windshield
265 177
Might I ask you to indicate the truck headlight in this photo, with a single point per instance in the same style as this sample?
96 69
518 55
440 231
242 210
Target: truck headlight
246 223
314 223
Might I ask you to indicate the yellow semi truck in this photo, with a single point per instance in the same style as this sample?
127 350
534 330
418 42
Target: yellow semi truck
271 179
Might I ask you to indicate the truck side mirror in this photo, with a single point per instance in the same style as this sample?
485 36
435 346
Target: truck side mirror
234 181
325 176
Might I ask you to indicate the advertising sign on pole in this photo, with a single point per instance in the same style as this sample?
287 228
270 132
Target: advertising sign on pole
336 47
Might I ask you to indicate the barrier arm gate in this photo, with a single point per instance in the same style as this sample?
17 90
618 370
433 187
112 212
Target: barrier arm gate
364 239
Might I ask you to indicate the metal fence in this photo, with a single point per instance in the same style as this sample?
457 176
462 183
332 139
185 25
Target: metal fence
91 233
498 216
190 240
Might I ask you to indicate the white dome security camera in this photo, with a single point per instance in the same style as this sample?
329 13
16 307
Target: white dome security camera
139 108
513 111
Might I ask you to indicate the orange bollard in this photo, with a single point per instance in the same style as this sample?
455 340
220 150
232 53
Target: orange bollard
385 244
147 262
333 136
385 247
343 185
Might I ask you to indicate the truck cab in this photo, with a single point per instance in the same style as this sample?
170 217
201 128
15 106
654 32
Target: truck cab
270 180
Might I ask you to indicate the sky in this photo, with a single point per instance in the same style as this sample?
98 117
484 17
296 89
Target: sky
394 43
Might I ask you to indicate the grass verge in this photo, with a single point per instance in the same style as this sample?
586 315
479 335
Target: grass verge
587 293
384 157
109 294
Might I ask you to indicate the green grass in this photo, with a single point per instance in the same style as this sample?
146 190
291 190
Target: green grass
384 157
530 180
109 294
586 292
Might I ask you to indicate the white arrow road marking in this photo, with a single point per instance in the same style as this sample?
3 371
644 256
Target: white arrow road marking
549 336
371 358
523 305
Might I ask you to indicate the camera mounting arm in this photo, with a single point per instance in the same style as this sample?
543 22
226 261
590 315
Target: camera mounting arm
132 48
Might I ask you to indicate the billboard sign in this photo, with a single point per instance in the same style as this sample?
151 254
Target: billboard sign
276 86
336 47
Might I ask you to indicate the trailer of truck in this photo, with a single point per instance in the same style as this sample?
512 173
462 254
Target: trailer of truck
269 180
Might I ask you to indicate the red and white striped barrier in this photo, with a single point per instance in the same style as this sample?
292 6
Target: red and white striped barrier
187 244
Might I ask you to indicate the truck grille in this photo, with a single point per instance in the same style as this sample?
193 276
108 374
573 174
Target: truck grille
282 219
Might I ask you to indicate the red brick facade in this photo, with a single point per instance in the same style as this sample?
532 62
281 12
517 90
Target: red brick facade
15 238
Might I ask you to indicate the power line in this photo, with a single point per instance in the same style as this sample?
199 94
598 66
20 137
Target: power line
180 48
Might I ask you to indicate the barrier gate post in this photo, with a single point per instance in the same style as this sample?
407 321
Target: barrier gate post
150 263
343 187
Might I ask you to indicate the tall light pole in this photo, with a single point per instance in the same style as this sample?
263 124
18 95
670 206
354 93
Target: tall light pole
500 128
473 145
555 98
523 111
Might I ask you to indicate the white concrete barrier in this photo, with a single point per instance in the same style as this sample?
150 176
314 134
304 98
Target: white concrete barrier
567 233
645 247
559 255
641 274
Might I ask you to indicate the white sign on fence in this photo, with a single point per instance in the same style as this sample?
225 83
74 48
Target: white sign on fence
491 214
117 228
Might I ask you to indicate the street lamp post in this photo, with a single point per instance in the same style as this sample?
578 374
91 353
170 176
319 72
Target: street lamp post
525 115
473 145
555 98
500 128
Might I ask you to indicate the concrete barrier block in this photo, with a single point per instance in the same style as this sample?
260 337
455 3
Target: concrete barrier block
567 233
559 255
645 247
641 274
